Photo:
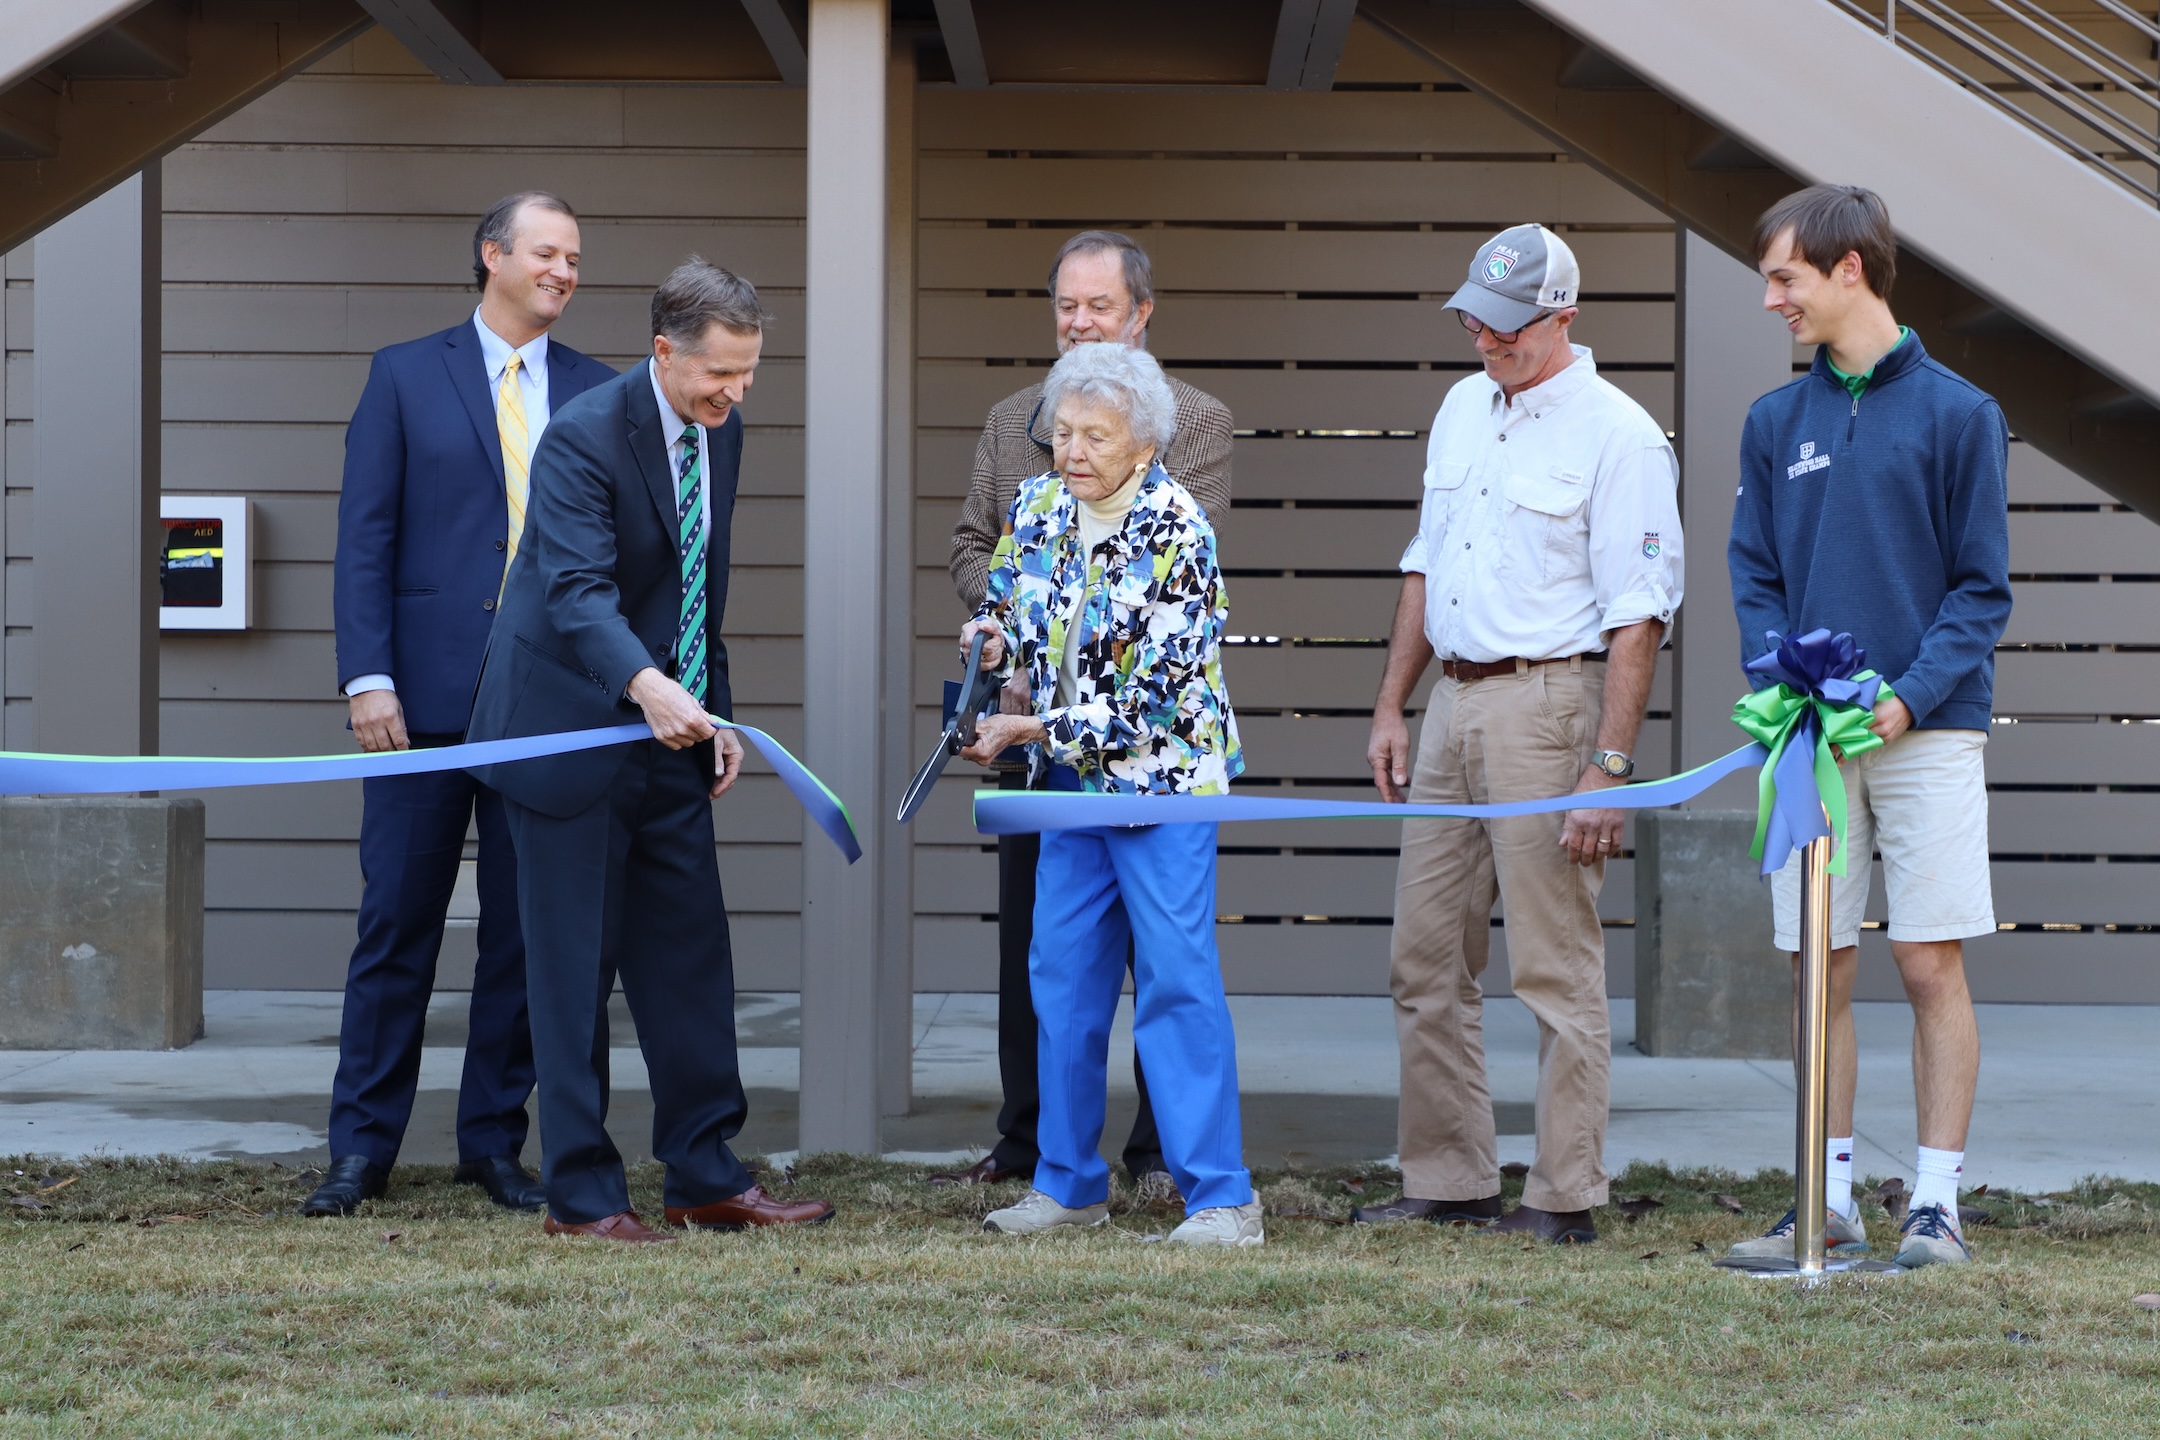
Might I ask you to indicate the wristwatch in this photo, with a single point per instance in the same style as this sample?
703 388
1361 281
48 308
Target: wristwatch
1613 763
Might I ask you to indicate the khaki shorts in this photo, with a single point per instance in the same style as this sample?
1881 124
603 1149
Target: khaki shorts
1921 801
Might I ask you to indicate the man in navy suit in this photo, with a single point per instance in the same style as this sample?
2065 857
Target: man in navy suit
612 614
436 462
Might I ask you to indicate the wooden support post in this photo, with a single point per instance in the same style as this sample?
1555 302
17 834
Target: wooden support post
96 442
844 566
896 896
1730 352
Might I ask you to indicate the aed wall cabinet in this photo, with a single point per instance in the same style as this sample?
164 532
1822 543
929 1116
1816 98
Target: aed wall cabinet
206 572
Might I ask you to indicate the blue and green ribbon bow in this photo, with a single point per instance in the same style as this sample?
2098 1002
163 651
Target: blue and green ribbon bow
1819 708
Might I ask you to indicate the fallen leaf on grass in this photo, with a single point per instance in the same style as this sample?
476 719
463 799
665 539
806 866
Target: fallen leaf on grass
1649 1255
29 1202
1572 1395
1970 1215
58 1184
1729 1202
1638 1207
151 1222
1518 1300
2018 1337
1515 1169
1892 1197
391 1237
1355 1184
2147 1301
1701 1248
77 1246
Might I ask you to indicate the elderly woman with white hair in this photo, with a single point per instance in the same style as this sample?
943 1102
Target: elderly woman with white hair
1105 595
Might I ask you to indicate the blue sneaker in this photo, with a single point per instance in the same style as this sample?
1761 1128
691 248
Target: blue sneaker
1931 1238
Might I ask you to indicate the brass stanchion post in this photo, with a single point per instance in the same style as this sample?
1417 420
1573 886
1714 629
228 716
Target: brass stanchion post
1811 1059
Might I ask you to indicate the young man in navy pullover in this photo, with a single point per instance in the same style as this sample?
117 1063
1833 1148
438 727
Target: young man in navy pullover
1872 501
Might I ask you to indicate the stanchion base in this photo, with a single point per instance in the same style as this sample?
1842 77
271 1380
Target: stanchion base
1769 1269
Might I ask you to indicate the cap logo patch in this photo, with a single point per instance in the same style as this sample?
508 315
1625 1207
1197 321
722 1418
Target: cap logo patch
1499 263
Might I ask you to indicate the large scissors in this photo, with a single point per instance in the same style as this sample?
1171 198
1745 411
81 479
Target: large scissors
978 693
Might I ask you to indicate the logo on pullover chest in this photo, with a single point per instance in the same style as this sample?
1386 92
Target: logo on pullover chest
1809 460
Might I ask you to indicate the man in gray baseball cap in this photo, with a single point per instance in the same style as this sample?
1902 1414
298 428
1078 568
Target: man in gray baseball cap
1544 572
1517 276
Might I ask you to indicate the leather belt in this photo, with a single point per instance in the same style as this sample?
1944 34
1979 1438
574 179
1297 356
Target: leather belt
1467 670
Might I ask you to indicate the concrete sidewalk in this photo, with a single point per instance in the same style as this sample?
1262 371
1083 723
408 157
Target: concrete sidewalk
2065 1091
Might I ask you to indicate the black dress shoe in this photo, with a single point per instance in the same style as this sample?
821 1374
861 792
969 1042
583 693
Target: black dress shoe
1439 1212
345 1184
1556 1227
507 1183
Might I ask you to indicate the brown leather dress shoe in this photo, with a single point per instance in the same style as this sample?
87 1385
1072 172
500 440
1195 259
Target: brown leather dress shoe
1557 1227
1439 1212
625 1227
985 1171
752 1207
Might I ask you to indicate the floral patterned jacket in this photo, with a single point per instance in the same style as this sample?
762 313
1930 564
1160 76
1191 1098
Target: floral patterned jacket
1153 716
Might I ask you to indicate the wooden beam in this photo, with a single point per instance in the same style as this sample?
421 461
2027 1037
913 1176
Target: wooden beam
439 34
782 41
1293 36
1323 54
1309 40
963 46
105 131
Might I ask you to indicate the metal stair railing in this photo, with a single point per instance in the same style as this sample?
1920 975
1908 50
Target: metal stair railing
2051 45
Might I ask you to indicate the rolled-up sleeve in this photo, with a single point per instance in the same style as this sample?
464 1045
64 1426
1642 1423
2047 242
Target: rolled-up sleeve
1636 557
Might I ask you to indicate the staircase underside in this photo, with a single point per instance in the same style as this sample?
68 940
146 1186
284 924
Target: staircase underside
1716 185
145 86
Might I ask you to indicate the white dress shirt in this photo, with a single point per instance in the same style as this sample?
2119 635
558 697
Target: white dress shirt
532 376
671 425
1549 520
532 389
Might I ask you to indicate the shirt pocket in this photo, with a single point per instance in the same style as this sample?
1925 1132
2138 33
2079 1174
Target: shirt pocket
1547 526
1443 508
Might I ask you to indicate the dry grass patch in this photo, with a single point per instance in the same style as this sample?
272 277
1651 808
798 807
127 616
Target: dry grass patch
160 1298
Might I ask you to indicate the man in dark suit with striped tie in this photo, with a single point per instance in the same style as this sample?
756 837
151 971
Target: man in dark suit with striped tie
431 512
612 614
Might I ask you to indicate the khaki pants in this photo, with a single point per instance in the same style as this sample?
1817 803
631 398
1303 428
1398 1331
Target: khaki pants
1511 737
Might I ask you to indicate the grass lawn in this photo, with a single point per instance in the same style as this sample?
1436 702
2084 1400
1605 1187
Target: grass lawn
153 1298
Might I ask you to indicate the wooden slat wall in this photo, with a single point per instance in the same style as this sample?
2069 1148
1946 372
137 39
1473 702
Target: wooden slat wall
1303 244
1303 247
335 216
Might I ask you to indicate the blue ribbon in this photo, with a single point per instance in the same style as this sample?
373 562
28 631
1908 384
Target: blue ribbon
29 774
1018 812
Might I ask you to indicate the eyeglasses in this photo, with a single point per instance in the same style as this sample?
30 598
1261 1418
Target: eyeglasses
1506 337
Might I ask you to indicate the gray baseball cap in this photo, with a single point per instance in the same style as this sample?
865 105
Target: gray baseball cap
1516 276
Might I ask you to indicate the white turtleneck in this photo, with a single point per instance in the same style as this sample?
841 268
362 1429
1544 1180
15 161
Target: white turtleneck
1099 520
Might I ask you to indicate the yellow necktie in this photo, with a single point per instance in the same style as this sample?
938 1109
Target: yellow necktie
510 427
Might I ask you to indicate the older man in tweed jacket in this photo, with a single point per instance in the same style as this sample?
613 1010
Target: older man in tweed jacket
1101 290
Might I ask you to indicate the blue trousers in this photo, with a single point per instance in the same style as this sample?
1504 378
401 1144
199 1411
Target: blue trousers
1154 886
412 835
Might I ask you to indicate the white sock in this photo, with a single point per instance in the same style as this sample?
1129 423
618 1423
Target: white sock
1940 1171
1838 1187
